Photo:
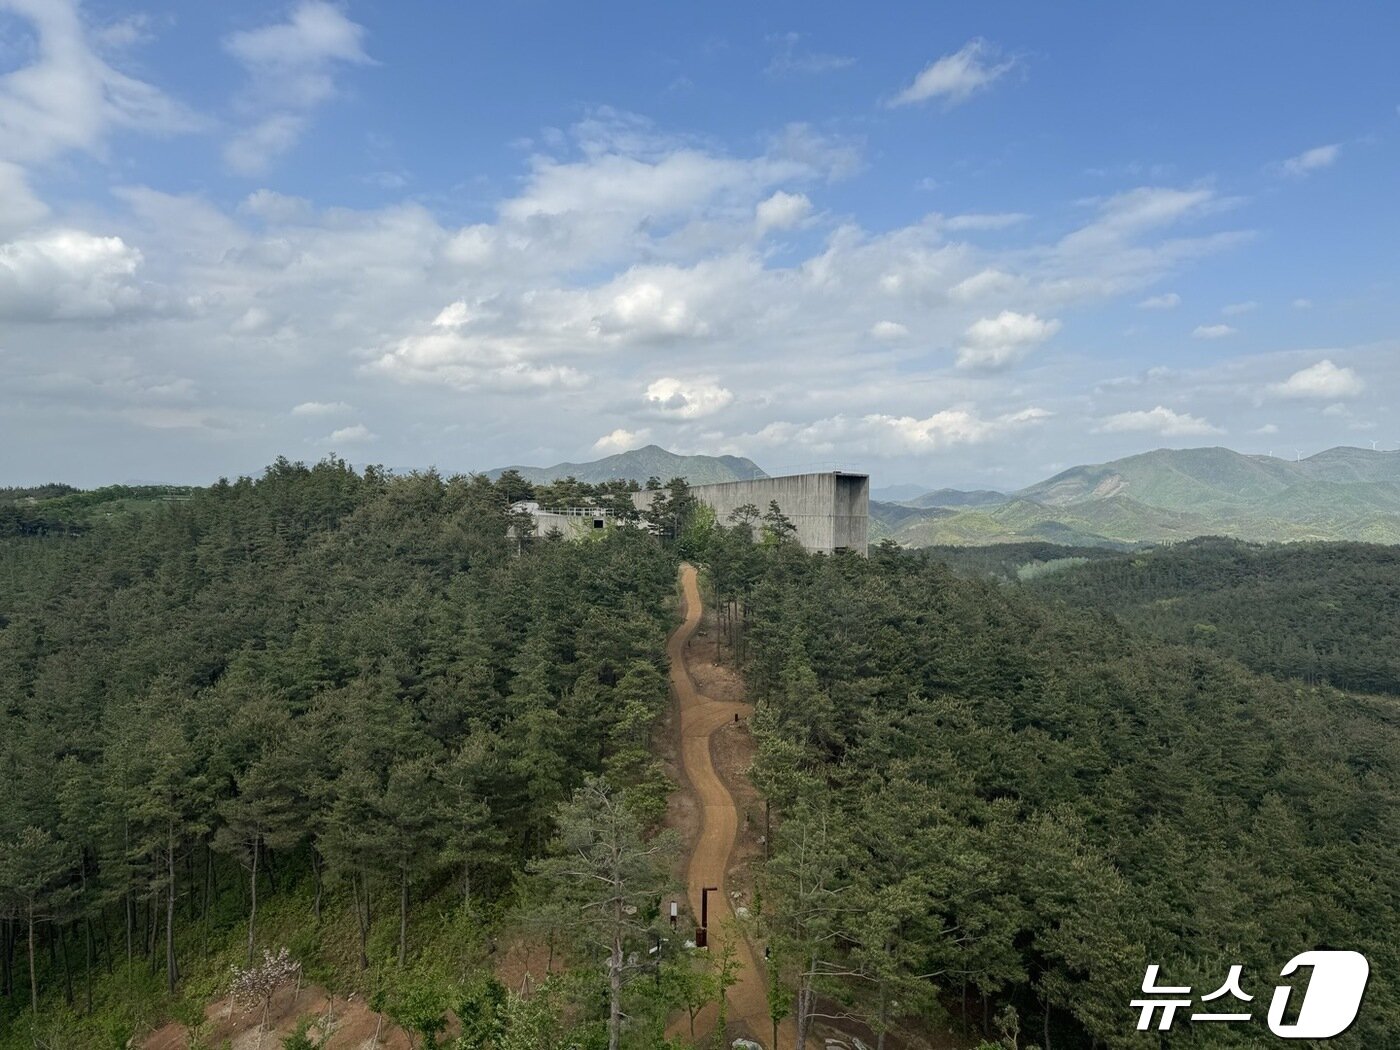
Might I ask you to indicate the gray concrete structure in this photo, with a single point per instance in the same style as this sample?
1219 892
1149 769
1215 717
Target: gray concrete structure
571 522
830 511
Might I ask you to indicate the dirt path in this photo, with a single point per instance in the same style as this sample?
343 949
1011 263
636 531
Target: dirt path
700 717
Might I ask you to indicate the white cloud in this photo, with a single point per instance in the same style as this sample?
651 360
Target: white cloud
1315 159
68 98
985 284
688 399
350 435
253 321
277 208
1323 380
956 77
124 33
468 360
781 211
996 342
68 274
888 330
790 60
1235 309
881 434
291 67
1267 428
253 149
315 33
320 408
1167 301
622 252
953 427
985 221
621 440
19 208
453 315
1159 420
1212 331
1302 304
1126 215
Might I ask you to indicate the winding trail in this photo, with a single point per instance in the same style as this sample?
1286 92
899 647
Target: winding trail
700 717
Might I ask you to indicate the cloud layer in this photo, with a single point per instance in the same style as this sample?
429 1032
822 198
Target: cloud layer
619 282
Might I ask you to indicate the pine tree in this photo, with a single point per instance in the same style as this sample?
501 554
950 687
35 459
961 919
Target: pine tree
608 879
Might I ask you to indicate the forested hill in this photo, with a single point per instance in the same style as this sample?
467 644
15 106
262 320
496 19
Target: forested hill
1316 612
1035 803
638 465
1170 495
333 710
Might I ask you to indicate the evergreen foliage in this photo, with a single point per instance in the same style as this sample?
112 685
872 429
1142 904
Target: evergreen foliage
344 688
986 802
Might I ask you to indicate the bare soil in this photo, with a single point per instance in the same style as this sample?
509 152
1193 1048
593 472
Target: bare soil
352 1024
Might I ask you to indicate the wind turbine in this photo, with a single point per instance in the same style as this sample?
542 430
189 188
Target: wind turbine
1297 455
1373 446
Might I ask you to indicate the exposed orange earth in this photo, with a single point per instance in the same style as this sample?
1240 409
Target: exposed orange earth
700 717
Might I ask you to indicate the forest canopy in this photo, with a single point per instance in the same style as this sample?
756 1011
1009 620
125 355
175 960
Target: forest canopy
346 687
984 800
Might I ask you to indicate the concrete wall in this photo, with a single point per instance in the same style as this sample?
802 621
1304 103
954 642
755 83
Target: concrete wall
570 525
576 523
830 511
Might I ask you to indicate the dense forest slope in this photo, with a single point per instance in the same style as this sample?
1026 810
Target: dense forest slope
343 713
638 465
345 697
1316 612
1034 803
1170 495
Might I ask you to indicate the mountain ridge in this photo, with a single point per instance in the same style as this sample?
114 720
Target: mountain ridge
1168 495
639 464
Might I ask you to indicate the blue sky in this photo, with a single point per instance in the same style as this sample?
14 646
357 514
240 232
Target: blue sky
952 245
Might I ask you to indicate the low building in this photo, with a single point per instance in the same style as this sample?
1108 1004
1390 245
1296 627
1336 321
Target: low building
570 522
831 511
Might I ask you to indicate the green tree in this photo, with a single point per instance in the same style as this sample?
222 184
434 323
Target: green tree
35 870
609 880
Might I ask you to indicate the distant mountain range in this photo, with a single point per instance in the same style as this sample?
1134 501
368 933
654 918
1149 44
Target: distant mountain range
638 465
1169 494
1154 497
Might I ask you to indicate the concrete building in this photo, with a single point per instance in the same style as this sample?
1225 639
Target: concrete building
831 512
570 522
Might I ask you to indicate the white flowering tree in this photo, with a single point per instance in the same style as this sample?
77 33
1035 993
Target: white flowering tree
256 985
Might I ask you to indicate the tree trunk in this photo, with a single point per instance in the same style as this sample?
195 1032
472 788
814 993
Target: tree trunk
152 930
33 973
403 916
804 1004
87 972
62 932
172 974
6 947
361 918
615 984
316 871
253 906
106 941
